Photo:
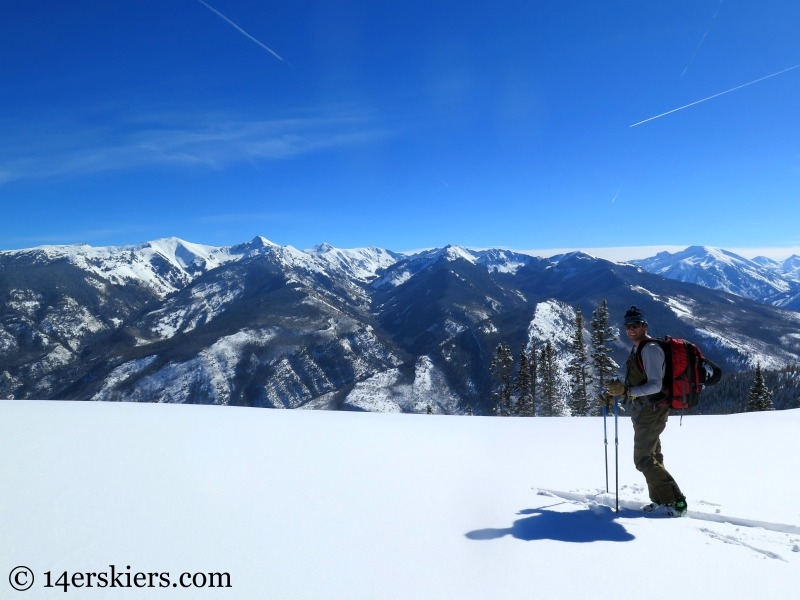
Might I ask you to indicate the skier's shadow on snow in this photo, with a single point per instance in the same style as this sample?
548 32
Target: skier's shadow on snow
580 526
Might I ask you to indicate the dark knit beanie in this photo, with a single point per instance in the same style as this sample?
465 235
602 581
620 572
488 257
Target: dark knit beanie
634 315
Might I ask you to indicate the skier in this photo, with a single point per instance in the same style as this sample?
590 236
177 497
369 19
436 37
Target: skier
649 409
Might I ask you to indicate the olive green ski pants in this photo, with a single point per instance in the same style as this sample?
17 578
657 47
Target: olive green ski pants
649 422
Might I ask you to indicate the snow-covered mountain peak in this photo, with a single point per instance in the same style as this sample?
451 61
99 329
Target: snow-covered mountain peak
261 242
452 253
765 261
287 257
185 254
704 255
321 249
503 261
692 258
721 270
362 263
258 245
576 255
791 268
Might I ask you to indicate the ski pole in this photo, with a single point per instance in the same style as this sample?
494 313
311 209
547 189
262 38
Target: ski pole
605 442
616 451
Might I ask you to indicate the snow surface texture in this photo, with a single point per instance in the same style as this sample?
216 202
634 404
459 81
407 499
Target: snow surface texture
335 505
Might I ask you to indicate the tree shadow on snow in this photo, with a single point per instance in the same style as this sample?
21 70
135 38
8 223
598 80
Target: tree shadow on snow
579 526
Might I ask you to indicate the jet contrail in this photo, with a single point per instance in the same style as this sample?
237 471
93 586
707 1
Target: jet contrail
738 87
702 39
242 31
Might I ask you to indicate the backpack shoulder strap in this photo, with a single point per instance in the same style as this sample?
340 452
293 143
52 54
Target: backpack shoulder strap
660 342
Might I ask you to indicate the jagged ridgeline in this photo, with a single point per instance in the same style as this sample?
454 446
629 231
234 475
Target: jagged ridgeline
260 324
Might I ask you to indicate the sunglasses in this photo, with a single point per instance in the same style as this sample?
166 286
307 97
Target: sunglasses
634 325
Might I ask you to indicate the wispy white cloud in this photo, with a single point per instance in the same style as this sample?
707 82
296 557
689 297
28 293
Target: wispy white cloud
625 253
617 254
206 141
68 236
773 252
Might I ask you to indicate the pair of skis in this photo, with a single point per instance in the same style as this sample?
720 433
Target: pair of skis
616 450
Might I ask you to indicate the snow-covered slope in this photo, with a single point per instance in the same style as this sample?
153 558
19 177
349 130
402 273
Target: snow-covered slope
343 506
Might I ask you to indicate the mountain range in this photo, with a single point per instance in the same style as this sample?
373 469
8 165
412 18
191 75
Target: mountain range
259 324
761 279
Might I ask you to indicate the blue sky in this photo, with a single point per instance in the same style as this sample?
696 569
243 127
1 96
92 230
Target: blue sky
401 124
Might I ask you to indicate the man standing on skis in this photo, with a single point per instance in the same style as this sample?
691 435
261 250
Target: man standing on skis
649 409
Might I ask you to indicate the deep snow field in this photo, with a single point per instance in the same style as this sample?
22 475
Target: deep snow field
333 505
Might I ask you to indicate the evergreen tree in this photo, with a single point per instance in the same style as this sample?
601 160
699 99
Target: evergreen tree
760 398
522 386
552 402
579 371
501 366
602 336
533 369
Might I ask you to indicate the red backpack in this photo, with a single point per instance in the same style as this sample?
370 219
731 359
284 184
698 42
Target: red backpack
686 371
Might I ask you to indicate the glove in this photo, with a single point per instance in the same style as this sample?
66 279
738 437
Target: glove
617 388
606 400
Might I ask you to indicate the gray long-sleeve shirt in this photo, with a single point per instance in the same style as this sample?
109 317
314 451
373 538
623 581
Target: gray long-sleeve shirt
654 365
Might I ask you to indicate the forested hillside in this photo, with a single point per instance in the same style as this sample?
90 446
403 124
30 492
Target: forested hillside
730 394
